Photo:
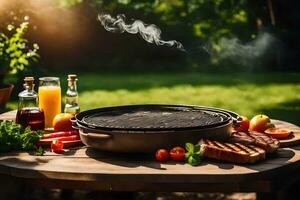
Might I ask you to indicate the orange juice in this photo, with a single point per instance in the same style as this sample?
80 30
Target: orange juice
50 102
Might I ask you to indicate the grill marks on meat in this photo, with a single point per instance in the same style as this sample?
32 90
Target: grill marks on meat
268 143
242 137
262 140
242 147
232 152
256 153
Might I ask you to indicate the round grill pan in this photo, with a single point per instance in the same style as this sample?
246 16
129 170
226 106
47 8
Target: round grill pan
153 117
146 128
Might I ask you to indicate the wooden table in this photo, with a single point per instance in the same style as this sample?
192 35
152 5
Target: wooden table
85 168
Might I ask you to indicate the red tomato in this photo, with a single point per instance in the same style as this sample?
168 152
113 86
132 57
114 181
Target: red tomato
177 153
162 155
243 124
57 146
278 133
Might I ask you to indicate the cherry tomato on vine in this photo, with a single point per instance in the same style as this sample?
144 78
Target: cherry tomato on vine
177 153
162 155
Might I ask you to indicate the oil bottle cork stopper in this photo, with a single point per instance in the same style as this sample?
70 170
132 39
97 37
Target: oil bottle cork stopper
29 80
72 77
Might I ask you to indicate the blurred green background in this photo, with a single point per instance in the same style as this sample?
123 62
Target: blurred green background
241 55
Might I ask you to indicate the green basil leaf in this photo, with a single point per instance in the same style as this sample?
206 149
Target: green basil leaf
189 147
201 150
194 160
187 155
197 148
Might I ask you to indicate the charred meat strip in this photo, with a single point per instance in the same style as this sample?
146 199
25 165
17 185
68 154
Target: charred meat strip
232 152
256 138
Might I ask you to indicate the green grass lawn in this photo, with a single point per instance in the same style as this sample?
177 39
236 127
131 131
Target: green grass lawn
275 94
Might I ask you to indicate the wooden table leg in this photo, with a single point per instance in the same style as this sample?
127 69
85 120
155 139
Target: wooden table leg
112 195
285 188
66 194
276 195
11 188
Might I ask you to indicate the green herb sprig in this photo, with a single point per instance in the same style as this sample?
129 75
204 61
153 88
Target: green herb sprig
193 154
14 137
39 151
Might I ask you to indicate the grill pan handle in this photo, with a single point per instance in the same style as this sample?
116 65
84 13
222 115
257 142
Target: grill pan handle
101 136
91 135
74 124
235 117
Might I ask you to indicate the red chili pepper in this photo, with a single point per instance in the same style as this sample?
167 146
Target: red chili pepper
69 138
60 134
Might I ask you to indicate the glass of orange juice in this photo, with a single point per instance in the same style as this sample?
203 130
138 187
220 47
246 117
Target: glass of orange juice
49 98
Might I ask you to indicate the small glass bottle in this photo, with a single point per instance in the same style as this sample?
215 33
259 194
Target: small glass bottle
29 114
71 100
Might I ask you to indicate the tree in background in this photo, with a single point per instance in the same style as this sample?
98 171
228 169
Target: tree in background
218 34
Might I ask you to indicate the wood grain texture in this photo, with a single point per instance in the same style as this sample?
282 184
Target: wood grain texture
257 186
11 115
86 168
294 138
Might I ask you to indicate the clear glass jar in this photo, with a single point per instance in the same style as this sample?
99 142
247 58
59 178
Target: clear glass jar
49 98
29 114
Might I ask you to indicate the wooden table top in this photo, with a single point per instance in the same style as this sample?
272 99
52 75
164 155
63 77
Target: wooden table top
83 167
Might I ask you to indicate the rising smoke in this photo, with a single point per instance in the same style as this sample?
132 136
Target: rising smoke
151 33
248 54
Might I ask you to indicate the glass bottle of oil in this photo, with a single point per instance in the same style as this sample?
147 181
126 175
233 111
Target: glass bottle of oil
71 100
29 114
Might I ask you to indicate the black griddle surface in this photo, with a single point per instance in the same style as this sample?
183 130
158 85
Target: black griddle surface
153 117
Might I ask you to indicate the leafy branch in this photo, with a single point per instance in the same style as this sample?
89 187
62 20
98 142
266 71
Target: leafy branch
15 54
